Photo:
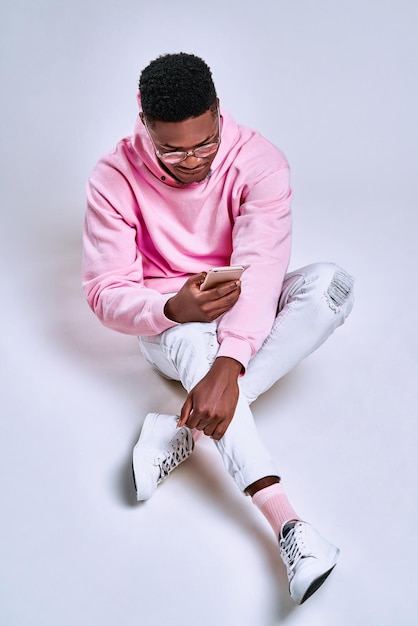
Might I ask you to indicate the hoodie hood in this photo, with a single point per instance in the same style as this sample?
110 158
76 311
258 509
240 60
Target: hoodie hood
144 149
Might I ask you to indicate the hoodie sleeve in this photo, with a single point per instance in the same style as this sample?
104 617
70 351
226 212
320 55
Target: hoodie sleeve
261 242
112 264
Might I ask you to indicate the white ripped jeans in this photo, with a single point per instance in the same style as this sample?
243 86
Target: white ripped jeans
314 301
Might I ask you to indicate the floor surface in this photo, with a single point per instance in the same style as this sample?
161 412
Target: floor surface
76 549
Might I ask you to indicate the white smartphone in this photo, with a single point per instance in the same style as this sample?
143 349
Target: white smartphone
218 275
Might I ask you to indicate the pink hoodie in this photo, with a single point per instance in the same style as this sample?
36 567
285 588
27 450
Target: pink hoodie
145 234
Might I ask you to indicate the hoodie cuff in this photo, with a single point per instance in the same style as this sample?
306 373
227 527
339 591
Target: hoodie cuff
160 321
237 349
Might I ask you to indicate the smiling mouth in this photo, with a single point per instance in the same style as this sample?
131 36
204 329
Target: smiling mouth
196 175
187 170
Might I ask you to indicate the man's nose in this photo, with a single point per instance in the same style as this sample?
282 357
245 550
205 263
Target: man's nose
191 161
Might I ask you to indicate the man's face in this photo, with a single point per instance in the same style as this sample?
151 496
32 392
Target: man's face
186 136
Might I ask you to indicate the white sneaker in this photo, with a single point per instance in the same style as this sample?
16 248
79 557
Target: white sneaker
309 559
161 447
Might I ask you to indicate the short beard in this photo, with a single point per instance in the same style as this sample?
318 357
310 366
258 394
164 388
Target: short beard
181 182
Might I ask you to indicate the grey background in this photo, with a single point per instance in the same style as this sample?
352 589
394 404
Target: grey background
334 85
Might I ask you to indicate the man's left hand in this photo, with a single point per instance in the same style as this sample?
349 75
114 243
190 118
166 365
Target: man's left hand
211 404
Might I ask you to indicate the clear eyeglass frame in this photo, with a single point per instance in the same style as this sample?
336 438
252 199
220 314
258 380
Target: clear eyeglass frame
173 158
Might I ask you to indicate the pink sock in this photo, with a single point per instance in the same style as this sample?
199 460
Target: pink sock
274 505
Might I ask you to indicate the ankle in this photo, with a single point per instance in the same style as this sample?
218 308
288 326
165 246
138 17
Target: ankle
276 508
262 483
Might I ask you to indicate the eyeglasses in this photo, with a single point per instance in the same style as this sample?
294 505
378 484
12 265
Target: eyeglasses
177 157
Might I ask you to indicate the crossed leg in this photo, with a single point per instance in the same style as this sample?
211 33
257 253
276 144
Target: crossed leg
315 300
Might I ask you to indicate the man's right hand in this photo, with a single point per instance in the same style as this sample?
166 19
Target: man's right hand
192 305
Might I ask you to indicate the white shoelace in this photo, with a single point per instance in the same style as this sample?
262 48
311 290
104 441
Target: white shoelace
290 549
180 451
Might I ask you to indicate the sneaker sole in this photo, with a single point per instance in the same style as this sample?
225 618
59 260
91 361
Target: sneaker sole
133 476
316 585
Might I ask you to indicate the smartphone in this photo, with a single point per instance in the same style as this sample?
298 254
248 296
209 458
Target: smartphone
218 275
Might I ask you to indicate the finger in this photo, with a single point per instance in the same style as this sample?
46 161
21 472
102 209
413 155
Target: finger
215 431
227 288
223 301
215 293
197 279
217 307
219 432
185 412
209 429
197 420
229 300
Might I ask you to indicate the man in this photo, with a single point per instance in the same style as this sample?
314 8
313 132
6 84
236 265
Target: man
191 190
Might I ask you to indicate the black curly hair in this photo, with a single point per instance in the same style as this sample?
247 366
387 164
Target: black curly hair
175 87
